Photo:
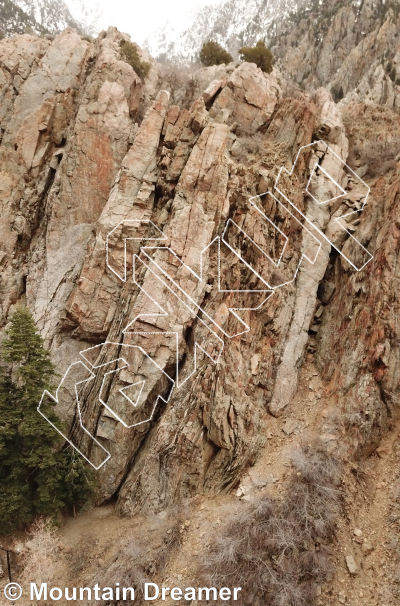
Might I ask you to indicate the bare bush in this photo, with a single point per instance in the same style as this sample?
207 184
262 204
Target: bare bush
142 557
39 553
277 550
379 156
291 90
248 146
181 82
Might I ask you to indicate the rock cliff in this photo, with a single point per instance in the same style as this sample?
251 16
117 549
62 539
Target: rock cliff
348 46
194 273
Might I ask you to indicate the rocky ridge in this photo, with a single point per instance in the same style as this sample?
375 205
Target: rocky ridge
39 17
232 23
78 162
350 47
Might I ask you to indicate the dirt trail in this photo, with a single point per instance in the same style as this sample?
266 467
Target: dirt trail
89 543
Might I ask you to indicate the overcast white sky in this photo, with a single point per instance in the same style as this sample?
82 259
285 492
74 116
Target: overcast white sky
143 17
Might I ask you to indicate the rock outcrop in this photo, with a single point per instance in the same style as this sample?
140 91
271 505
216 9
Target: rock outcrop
350 47
136 240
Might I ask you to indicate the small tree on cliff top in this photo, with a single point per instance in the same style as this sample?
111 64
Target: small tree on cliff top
129 52
258 54
213 53
37 476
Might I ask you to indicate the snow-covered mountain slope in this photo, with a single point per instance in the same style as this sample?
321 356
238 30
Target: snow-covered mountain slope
41 16
87 14
349 46
232 23
48 16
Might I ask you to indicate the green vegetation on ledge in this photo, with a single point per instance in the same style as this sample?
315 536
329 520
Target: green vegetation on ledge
130 54
258 54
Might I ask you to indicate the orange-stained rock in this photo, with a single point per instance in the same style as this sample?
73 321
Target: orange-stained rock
92 155
249 95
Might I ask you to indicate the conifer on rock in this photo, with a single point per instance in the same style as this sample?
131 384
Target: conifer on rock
213 53
258 54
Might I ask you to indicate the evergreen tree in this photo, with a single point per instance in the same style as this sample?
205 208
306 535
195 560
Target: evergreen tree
37 476
258 54
129 52
213 53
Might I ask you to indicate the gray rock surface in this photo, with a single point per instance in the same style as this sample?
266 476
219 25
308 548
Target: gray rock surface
91 155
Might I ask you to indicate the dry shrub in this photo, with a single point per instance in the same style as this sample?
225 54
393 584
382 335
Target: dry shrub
374 135
181 82
292 90
143 557
39 553
248 145
277 551
379 156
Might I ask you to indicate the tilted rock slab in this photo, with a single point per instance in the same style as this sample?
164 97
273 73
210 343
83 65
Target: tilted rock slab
78 172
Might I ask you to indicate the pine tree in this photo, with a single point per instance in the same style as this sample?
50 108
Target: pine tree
258 54
213 53
129 52
37 475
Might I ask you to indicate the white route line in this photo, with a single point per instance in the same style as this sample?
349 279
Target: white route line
338 219
56 400
163 237
303 256
130 385
198 309
313 172
90 378
197 345
200 279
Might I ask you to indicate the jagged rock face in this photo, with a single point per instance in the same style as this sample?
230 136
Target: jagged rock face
358 327
233 23
353 48
350 47
40 16
140 242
